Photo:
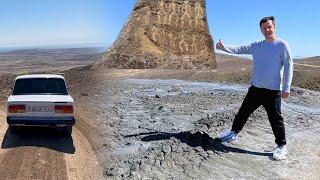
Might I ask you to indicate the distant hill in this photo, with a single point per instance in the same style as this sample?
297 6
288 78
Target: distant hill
311 60
233 61
227 62
39 60
46 52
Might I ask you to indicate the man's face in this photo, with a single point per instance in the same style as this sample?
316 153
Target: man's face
268 29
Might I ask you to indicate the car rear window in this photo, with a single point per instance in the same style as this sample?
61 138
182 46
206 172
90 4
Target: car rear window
40 86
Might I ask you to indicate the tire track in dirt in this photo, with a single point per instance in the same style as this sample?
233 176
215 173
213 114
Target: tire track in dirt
41 153
33 163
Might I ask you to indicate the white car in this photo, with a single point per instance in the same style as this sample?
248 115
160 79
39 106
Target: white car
40 100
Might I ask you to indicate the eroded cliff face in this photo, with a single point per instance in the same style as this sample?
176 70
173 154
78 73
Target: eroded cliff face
163 34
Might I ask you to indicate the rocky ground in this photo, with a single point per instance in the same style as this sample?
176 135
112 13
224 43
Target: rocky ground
163 124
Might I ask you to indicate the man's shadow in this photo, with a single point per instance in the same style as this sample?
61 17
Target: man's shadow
51 138
198 139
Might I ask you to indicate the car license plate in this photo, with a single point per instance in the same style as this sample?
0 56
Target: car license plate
40 109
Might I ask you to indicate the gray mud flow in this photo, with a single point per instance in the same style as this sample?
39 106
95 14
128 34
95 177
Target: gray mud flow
169 128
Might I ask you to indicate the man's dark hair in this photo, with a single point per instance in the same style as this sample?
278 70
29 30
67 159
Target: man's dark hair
265 19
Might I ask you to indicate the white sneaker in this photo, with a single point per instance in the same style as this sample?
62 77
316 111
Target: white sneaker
280 153
228 136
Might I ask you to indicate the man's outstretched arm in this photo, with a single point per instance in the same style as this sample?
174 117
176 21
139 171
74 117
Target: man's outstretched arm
288 71
234 50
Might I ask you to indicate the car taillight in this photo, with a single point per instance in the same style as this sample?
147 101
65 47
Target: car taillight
63 109
17 109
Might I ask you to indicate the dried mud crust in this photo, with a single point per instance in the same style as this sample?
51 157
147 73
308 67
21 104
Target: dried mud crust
168 128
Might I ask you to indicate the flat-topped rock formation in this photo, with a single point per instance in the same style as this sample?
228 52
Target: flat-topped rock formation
163 34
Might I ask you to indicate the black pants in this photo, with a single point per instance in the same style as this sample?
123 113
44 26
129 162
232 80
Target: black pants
271 101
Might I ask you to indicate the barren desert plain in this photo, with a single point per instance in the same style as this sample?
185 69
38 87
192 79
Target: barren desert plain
160 123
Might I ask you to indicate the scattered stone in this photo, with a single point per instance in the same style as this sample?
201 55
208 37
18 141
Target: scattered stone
174 89
160 108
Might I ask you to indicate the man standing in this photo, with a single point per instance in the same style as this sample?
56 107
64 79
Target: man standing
271 80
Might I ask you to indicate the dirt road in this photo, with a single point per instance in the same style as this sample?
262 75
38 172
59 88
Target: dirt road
40 153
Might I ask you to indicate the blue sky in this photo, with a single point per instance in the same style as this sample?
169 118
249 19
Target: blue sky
98 22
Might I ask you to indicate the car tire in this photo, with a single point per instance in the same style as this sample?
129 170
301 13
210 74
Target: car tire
13 129
67 131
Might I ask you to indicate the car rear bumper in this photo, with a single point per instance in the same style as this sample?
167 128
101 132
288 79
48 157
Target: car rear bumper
41 121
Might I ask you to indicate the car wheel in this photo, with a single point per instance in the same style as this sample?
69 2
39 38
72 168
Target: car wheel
67 131
13 129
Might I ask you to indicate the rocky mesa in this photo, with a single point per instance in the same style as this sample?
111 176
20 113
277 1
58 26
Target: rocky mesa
163 34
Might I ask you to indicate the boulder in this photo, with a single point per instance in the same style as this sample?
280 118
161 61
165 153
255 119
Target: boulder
163 34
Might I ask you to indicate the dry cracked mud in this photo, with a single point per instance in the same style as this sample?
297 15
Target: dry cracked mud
167 129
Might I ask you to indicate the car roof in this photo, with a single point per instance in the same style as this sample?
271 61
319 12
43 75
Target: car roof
31 76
